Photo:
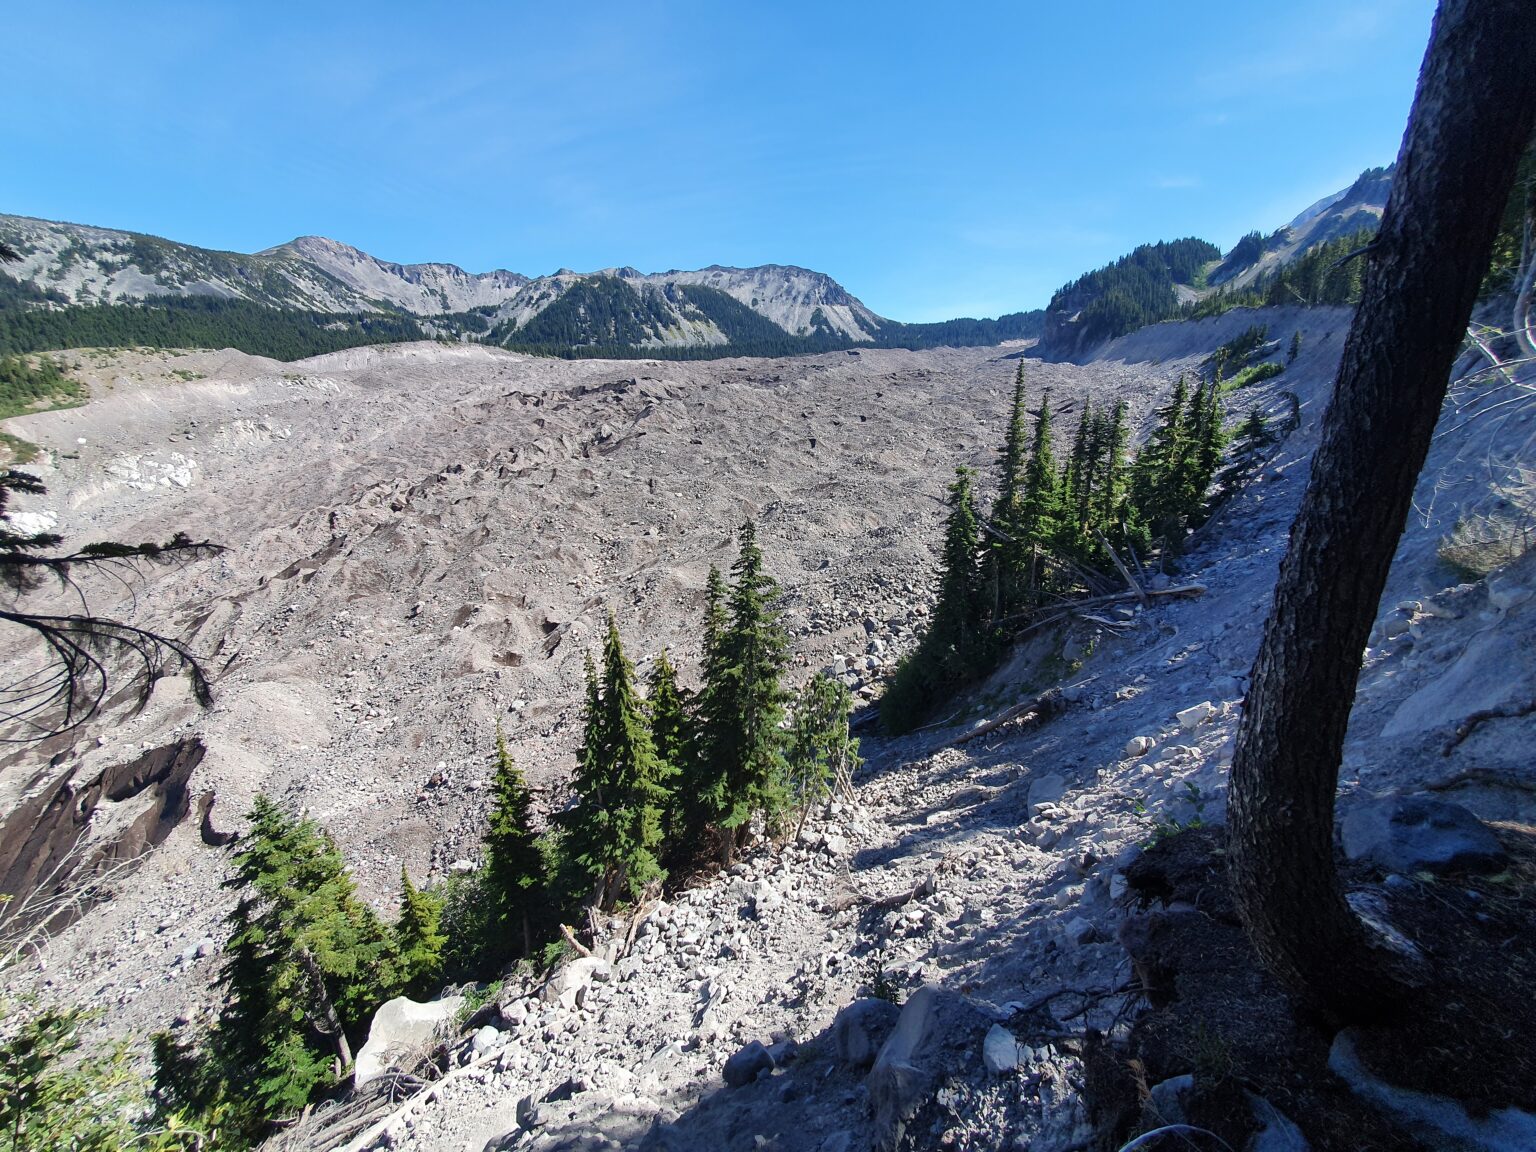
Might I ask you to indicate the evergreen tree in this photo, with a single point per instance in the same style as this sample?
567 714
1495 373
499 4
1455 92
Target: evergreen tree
305 966
1208 442
514 863
1010 486
1077 487
823 755
744 704
614 830
667 705
1111 488
419 940
1040 510
1161 466
690 809
1009 557
1295 348
957 629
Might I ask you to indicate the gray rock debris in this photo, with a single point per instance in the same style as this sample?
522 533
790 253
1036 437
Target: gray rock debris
935 1035
1000 1051
748 1064
860 1029
1046 790
1410 834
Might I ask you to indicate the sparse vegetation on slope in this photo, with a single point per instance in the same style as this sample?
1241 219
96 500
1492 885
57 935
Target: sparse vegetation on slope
1120 297
199 322
1056 532
28 384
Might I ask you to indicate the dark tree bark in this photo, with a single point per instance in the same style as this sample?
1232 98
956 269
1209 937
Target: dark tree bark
1471 118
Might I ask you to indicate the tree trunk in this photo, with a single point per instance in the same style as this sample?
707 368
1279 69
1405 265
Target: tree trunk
1471 117
329 1024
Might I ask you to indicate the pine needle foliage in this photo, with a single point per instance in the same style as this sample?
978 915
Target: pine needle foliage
514 860
613 833
742 709
419 940
57 1094
823 755
306 965
959 644
672 733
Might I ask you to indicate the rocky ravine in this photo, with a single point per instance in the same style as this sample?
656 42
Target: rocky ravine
429 519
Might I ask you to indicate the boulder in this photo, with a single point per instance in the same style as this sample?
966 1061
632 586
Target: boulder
1499 1130
1408 834
1046 790
860 1028
1000 1051
935 1037
744 1066
1195 715
400 1028
1138 746
566 985
484 1039
1078 931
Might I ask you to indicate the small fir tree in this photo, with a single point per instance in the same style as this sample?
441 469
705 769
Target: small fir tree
744 702
614 830
419 940
514 864
1040 515
1160 466
1111 489
823 756
305 966
958 643
668 707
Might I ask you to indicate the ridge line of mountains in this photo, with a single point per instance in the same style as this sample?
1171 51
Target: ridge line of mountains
79 285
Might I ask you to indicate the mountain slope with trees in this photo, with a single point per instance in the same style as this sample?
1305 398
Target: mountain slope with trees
78 286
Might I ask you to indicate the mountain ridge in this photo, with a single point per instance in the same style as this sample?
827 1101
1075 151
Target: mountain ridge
87 264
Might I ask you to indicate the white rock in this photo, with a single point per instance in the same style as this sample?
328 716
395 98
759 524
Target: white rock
1078 931
484 1040
1000 1051
399 1027
1046 790
1139 746
1196 714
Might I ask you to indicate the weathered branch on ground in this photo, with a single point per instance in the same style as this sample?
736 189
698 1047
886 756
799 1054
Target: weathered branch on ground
1044 706
1470 724
1072 606
925 887
1124 571
371 1136
570 938
1486 776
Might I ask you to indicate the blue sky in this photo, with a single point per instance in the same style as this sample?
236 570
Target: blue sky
938 160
